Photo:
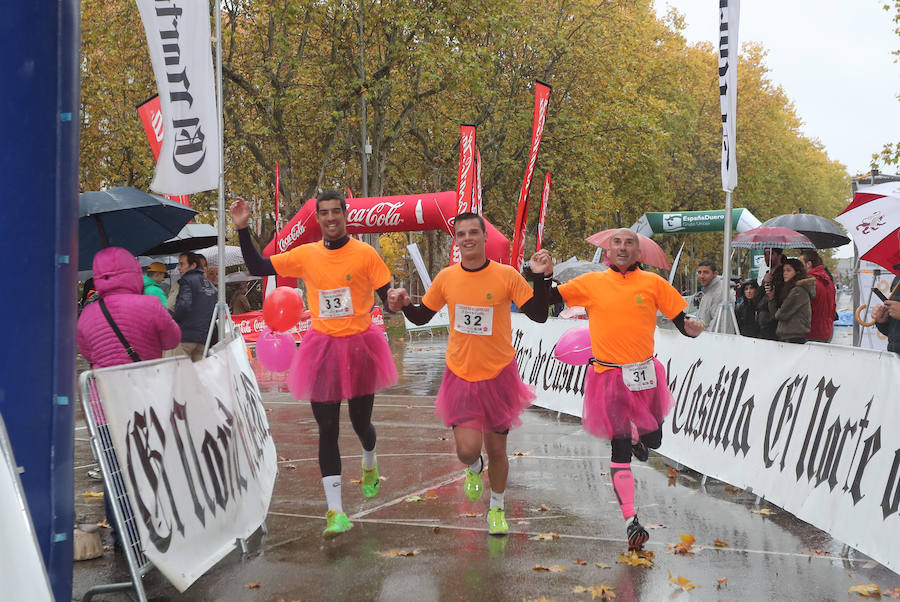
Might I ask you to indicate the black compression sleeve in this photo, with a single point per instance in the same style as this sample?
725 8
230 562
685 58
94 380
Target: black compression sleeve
256 263
536 307
418 314
382 292
553 297
678 321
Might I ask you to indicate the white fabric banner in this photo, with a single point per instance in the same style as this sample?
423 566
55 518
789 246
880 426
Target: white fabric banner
199 462
178 37
729 10
815 431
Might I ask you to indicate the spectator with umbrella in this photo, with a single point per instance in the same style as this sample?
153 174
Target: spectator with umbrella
793 309
824 303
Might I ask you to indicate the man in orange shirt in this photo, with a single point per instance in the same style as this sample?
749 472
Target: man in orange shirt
626 392
481 394
343 356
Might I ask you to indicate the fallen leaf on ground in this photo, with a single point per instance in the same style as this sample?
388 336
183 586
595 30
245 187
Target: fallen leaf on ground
604 473
683 583
382 478
721 582
684 547
654 526
763 511
544 507
282 459
93 494
632 558
602 592
817 551
733 489
866 591
580 561
398 553
103 524
415 498
291 466
471 514
522 522
721 544
437 529
891 593
556 568
600 565
431 495
541 599
545 536
356 481
252 586
671 472
518 453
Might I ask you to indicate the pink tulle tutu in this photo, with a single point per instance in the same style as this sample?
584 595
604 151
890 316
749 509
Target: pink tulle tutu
327 368
491 405
610 408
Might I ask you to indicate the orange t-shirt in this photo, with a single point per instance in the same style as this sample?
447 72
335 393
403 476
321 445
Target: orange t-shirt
622 312
480 344
339 283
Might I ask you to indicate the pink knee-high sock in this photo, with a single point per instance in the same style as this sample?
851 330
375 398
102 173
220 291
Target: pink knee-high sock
623 483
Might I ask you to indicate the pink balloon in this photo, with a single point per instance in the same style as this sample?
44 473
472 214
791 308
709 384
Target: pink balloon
275 350
574 347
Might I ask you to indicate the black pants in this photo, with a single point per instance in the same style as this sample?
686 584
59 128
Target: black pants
621 446
328 417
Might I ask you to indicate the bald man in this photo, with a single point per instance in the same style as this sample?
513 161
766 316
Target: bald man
626 396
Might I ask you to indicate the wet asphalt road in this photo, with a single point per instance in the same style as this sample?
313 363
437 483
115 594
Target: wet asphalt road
558 484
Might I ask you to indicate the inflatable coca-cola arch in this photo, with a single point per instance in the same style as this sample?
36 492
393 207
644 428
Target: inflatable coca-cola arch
378 215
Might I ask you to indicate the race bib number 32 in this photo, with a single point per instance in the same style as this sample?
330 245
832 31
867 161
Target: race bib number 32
640 376
335 303
472 319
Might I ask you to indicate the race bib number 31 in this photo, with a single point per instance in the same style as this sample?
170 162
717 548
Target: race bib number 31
472 319
640 376
335 303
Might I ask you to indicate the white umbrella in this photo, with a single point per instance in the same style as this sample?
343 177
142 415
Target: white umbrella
233 256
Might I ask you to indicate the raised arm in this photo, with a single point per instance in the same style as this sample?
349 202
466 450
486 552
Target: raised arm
256 263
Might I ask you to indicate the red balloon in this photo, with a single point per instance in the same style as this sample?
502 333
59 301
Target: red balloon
282 308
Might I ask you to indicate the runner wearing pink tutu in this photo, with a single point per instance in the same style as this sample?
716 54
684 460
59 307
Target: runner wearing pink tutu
481 395
626 393
343 356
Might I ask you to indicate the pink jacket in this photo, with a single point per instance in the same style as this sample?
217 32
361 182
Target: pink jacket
144 322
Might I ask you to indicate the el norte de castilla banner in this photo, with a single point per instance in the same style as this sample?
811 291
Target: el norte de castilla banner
814 429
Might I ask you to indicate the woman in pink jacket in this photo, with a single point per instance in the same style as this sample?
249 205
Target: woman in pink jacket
143 321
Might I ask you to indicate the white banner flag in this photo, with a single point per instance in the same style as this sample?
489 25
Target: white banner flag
195 449
728 63
814 428
178 37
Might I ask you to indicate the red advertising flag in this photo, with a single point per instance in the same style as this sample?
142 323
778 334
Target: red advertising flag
465 178
476 204
152 120
541 100
545 197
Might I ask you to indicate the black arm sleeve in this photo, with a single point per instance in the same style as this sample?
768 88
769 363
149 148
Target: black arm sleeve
256 263
382 293
418 314
553 297
678 321
536 308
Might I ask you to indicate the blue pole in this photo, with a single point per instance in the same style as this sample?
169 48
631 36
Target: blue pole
39 121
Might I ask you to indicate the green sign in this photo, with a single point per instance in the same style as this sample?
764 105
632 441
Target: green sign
691 221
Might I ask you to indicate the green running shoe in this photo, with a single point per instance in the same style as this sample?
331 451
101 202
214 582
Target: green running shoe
371 481
497 522
473 485
337 523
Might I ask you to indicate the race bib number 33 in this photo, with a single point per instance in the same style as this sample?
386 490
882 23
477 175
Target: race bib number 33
471 319
335 303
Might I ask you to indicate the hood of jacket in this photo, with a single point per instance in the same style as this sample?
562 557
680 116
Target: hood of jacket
820 274
809 285
117 271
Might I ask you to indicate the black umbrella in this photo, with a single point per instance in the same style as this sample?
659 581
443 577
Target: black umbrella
823 232
126 217
190 238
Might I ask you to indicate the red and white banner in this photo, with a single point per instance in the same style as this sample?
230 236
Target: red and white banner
541 100
178 38
465 179
545 198
477 204
406 213
152 120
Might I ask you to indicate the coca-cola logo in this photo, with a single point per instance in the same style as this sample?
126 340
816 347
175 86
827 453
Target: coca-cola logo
297 230
382 214
462 193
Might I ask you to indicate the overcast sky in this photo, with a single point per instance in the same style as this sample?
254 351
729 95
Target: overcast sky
834 60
